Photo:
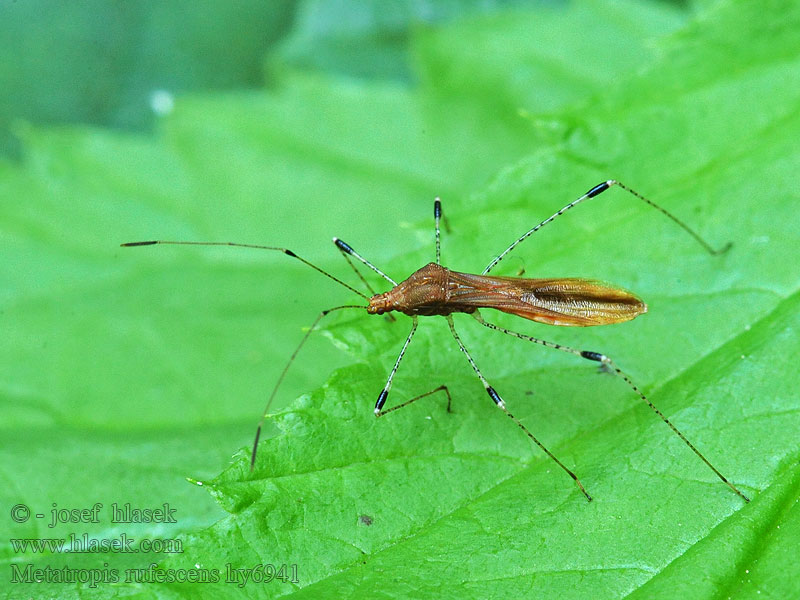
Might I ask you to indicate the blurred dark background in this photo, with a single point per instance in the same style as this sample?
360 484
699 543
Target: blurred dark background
117 64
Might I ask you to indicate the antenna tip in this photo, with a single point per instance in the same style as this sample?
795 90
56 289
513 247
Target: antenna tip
255 448
148 243
724 249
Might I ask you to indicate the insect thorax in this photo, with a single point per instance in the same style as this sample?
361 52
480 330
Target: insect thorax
425 293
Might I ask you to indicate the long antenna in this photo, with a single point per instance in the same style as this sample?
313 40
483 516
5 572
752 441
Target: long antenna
286 369
305 337
284 250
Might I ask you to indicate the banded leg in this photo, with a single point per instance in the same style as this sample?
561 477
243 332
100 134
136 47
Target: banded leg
388 316
347 249
612 367
502 405
385 391
596 191
355 270
321 315
437 215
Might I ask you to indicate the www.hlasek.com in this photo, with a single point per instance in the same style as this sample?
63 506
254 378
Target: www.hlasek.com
80 544
240 576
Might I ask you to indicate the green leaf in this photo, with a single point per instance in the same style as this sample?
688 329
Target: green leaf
512 63
126 369
368 39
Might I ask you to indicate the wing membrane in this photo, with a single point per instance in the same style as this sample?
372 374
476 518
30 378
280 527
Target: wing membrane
566 301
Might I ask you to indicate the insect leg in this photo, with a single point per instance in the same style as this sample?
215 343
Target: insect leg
387 316
501 404
385 391
596 191
612 367
437 215
285 369
345 247
356 271
441 388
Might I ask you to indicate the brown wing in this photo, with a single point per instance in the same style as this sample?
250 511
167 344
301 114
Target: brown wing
568 301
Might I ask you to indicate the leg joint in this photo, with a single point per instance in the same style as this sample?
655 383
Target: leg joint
594 356
495 396
381 401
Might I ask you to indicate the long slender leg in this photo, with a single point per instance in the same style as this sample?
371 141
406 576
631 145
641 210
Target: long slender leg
437 215
385 391
501 404
596 191
284 250
345 247
286 369
356 271
441 388
387 316
612 367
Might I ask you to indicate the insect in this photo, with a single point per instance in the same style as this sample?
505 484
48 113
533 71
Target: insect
434 290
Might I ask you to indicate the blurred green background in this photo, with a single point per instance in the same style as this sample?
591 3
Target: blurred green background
124 371
103 63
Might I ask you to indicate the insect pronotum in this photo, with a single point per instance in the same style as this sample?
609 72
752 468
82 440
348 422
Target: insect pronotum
436 290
